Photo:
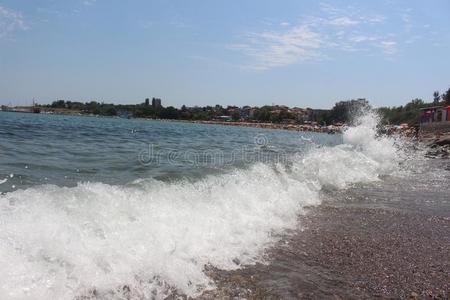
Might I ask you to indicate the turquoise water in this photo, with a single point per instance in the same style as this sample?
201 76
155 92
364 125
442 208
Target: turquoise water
64 150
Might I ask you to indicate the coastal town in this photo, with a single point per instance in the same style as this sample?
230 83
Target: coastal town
418 120
409 119
274 116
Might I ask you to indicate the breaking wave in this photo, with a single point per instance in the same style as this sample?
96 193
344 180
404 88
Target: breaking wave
149 238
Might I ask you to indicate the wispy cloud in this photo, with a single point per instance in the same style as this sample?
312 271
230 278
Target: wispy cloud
10 22
327 8
272 49
343 21
318 37
389 47
373 19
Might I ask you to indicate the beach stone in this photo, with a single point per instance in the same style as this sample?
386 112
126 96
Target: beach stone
413 295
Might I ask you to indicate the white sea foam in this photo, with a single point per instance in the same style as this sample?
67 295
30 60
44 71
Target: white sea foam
60 243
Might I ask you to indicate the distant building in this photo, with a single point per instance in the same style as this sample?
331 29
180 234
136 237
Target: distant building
245 112
435 114
156 103
435 119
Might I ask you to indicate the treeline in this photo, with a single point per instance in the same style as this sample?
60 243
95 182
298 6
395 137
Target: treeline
409 113
206 113
108 109
342 112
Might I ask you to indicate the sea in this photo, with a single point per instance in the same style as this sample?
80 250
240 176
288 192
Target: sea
112 208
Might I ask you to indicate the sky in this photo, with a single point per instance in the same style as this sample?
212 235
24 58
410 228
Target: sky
234 52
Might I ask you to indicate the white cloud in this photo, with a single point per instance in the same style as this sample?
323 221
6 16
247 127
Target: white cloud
329 9
362 38
373 19
389 47
10 21
320 37
273 49
343 21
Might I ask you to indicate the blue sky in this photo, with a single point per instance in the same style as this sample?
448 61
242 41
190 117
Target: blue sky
255 52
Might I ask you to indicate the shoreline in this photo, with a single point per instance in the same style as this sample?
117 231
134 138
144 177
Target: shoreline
263 125
427 137
349 253
283 126
358 249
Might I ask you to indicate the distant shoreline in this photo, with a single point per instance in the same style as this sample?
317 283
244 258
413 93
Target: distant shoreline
284 126
331 129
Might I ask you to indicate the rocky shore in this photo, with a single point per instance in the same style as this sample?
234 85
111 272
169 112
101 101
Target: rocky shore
439 145
285 126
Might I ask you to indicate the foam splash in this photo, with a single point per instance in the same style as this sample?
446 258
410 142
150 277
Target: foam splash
149 237
103 236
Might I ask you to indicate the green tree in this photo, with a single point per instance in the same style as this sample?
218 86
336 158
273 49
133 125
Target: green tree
404 114
436 97
59 104
446 97
235 116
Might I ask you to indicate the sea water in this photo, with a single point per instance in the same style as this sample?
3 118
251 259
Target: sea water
100 207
